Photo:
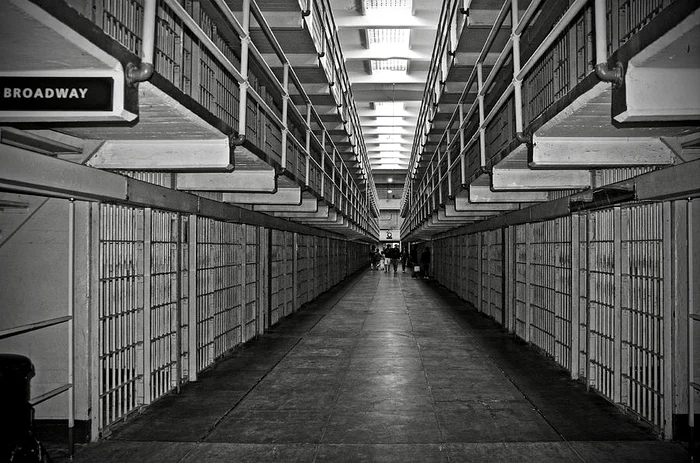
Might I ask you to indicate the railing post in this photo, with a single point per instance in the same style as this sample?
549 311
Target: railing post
482 130
245 43
307 145
517 83
285 109
462 154
323 163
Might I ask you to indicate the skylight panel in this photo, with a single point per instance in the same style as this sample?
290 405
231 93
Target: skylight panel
388 37
385 4
389 65
388 108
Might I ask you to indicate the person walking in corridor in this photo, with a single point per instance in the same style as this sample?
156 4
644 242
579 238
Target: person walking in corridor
425 262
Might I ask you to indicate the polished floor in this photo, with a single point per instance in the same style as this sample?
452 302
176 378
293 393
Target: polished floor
384 368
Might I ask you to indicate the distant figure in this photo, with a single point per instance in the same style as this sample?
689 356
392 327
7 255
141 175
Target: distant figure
425 262
372 253
387 258
413 262
395 254
404 260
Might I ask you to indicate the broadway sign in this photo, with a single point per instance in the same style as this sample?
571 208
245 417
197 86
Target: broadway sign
56 93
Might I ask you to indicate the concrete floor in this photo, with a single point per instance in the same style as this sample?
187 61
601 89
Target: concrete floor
384 368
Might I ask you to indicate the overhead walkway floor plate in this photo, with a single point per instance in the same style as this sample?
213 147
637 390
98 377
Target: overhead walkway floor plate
384 367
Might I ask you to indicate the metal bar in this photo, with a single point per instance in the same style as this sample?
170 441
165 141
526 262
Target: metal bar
527 15
575 295
192 321
178 302
528 278
244 84
71 323
552 36
146 312
285 106
691 327
187 20
617 306
50 394
9 332
480 99
95 372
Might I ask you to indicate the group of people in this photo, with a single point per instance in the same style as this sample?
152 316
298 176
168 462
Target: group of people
389 257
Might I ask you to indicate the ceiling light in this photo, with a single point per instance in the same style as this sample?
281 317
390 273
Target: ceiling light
390 180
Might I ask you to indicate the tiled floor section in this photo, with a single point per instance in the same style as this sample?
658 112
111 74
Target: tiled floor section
384 368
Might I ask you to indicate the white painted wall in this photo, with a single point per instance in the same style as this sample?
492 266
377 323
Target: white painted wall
33 287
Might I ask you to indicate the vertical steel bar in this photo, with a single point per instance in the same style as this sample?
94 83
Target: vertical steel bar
528 278
178 302
575 296
617 306
589 367
666 349
691 327
71 323
146 312
94 354
192 320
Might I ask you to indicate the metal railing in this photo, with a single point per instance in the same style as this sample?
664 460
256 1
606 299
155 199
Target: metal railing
194 52
523 82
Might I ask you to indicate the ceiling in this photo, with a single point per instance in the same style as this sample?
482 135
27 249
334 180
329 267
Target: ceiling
387 46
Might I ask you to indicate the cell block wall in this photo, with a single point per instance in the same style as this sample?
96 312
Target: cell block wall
591 290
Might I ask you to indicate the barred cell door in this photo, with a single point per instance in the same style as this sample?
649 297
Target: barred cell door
120 281
141 298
